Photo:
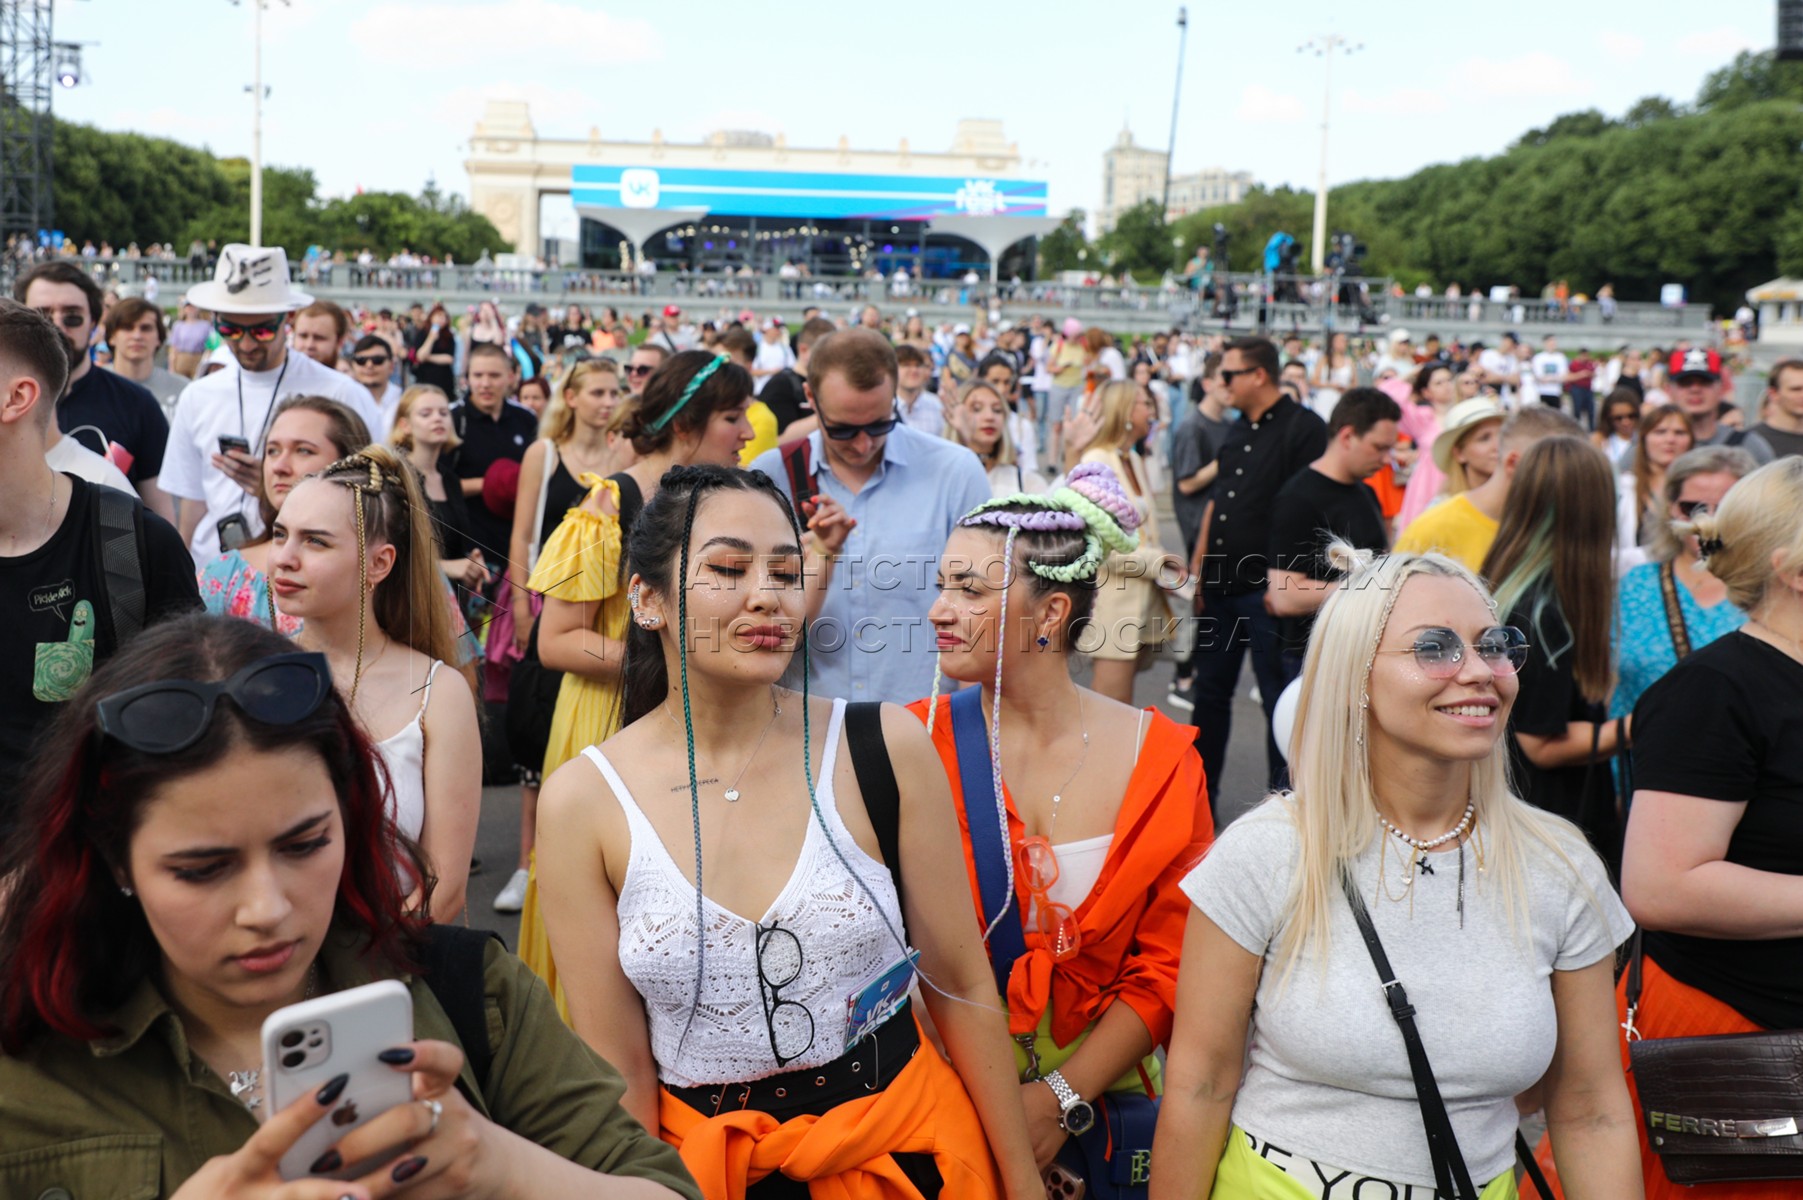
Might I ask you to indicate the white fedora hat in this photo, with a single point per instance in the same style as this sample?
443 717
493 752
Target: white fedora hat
249 280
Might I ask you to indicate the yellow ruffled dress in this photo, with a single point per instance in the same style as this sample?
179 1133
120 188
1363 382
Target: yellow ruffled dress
580 563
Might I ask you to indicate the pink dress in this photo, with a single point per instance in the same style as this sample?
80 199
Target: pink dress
1422 424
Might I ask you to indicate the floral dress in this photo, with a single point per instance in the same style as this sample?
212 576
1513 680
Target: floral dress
231 587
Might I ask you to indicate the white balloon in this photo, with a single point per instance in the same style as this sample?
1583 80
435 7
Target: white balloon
1283 716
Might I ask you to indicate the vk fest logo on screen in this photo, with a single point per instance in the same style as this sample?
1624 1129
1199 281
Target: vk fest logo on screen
759 193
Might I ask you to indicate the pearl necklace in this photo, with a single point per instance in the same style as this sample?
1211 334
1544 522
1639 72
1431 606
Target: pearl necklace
1453 834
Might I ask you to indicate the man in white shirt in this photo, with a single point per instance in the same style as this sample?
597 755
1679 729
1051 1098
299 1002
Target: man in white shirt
1501 369
920 409
773 354
217 480
1550 369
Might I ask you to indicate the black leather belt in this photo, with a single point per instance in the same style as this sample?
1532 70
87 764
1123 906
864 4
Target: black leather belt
867 1067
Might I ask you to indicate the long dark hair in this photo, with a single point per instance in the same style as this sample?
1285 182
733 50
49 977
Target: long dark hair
1553 548
729 385
72 946
659 555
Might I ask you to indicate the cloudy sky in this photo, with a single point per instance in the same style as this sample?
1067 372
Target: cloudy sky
379 94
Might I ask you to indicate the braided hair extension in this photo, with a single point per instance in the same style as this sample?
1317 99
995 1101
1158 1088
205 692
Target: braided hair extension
688 730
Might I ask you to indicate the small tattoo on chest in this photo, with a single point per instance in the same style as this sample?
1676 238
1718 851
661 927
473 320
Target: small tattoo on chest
683 787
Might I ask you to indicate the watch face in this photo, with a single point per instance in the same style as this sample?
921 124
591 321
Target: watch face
1079 1117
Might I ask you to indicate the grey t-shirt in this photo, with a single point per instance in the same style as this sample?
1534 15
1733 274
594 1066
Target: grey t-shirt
1328 1075
1747 439
1783 442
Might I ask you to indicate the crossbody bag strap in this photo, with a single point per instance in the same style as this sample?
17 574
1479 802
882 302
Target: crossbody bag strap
1674 612
1007 942
1636 952
876 781
1442 1143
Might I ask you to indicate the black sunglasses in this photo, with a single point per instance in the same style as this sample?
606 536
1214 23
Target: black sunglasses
845 433
1690 508
68 318
1227 376
170 715
372 360
779 965
640 369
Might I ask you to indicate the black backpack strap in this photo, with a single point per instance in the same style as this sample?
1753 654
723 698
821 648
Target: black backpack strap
1451 1179
450 962
876 780
119 531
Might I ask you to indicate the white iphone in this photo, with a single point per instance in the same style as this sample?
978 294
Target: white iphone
306 1045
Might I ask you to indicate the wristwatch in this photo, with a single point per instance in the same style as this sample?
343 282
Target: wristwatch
1075 1114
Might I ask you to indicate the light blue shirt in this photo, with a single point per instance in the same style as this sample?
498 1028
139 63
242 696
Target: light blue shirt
872 640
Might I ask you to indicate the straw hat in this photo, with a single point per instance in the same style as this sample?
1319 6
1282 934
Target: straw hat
1460 419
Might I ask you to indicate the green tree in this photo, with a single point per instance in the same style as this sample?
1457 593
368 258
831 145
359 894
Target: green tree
1140 241
1587 123
1749 79
1648 109
1064 248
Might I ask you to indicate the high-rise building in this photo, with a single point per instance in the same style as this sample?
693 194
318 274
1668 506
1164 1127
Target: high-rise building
1132 174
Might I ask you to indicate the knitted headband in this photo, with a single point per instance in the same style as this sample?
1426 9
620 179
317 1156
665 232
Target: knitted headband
688 392
1091 502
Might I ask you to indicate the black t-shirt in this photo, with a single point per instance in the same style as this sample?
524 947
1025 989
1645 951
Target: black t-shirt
1727 724
1311 511
450 516
785 398
126 412
56 624
1257 458
1783 443
487 440
1548 701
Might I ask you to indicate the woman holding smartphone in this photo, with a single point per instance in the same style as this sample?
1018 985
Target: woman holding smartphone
156 920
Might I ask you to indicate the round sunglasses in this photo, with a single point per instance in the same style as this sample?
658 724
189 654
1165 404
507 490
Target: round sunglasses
1439 651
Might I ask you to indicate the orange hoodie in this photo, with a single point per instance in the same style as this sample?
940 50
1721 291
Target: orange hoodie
1132 921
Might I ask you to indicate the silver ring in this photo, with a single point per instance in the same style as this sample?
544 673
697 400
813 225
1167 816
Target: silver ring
437 1111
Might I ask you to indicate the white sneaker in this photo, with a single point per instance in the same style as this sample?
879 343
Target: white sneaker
513 896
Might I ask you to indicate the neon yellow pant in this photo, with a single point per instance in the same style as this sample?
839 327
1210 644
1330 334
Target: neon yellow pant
1243 1175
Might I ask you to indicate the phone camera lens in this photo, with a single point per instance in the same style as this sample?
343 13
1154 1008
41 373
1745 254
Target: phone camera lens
292 1038
294 1058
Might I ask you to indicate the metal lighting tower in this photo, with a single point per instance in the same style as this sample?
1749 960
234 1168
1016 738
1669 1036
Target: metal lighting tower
1324 48
27 53
258 94
1170 151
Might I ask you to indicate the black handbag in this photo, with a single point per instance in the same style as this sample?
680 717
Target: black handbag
1451 1178
531 703
1722 1107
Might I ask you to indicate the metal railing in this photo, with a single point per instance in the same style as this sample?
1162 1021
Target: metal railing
1275 302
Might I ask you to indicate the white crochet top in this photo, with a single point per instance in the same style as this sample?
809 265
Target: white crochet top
835 917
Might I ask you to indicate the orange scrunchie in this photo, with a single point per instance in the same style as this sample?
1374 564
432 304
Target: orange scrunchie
844 1153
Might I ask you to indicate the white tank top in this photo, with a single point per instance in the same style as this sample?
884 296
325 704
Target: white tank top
844 943
404 755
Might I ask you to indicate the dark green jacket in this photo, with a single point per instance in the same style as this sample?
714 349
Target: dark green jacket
130 1117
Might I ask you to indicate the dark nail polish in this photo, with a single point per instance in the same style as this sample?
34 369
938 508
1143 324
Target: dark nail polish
407 1169
329 1161
400 1056
332 1090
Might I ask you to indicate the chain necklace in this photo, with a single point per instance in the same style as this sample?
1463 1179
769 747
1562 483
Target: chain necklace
1058 796
247 1085
1417 863
732 789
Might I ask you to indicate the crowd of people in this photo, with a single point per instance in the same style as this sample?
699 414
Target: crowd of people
851 862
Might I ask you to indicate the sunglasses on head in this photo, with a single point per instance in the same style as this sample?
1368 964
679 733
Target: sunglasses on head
372 360
1439 651
68 318
231 331
170 715
845 433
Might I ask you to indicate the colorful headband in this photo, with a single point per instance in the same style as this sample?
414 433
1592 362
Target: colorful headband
1091 502
688 392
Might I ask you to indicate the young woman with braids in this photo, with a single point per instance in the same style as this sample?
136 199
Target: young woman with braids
718 891
305 433
1104 806
352 554
692 410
